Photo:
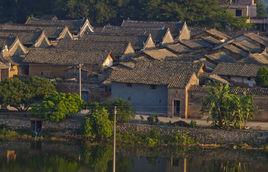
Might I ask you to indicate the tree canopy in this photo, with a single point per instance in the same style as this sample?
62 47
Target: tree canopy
195 12
225 109
22 92
57 106
262 77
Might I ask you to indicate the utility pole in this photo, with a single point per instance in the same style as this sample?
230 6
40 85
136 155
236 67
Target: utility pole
114 150
80 80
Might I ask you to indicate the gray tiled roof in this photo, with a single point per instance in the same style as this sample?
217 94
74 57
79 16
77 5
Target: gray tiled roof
170 73
175 27
73 25
116 48
27 37
52 32
157 33
64 57
136 41
236 69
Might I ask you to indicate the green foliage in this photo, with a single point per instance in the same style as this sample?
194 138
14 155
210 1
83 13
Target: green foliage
98 125
261 9
153 120
58 106
154 138
22 92
262 77
7 133
227 110
195 12
125 112
193 124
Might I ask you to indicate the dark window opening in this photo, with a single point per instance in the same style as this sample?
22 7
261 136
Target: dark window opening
129 98
238 12
249 78
129 85
153 87
177 107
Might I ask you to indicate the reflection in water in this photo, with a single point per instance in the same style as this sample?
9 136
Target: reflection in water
56 157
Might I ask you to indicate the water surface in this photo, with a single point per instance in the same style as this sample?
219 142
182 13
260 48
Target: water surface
76 157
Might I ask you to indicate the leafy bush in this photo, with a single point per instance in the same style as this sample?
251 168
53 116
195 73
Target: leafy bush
22 92
125 112
58 106
193 124
262 77
98 125
227 110
152 120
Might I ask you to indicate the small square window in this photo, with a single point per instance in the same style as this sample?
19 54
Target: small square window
238 12
153 87
129 85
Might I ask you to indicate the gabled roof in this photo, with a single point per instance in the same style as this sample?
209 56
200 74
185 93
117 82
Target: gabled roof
175 27
52 32
261 59
237 69
213 33
257 38
159 54
27 37
116 48
58 56
196 44
178 48
74 26
173 74
248 45
138 42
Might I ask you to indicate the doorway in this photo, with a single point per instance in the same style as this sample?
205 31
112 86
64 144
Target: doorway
177 107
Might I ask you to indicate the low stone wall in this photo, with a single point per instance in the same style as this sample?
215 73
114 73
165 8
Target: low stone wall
202 135
205 135
20 121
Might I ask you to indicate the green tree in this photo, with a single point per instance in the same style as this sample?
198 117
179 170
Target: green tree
57 106
98 125
262 77
22 92
261 9
125 112
227 110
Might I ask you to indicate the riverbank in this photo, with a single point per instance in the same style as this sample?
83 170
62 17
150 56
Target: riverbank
155 136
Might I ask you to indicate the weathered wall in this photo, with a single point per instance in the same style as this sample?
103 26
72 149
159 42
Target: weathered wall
178 95
201 135
144 98
204 135
47 70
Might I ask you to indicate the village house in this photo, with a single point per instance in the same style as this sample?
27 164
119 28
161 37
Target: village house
117 49
155 87
138 42
29 38
179 30
77 27
12 49
160 35
241 8
63 64
238 73
3 71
